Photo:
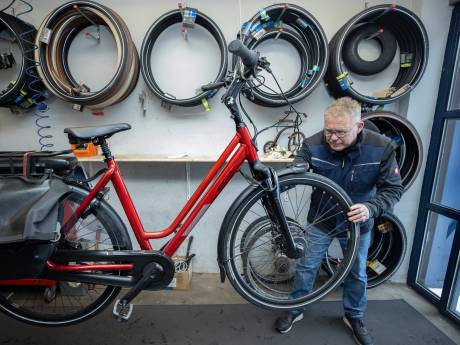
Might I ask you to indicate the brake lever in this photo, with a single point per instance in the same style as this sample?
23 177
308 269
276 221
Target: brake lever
225 82
264 64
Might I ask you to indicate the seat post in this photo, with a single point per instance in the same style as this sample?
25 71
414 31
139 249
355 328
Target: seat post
105 149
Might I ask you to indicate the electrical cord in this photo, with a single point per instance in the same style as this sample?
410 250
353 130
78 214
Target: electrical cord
297 121
30 8
54 39
148 46
412 40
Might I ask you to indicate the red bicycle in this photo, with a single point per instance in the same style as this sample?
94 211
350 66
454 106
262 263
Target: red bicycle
262 241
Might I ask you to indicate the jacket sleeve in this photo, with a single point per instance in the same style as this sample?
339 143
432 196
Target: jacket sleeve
303 155
389 185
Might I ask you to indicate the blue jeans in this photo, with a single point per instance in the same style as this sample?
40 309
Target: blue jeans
354 285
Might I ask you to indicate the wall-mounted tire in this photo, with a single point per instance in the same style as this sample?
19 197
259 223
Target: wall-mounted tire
25 91
299 28
412 40
148 46
53 41
409 151
389 248
386 253
385 39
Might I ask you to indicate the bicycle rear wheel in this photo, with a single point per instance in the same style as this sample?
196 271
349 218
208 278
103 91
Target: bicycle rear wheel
61 303
253 250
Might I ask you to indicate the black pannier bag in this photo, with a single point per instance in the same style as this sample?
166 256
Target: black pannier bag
29 224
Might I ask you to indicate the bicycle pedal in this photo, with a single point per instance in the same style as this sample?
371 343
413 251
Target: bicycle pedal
122 312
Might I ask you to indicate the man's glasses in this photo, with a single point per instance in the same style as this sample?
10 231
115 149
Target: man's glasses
339 133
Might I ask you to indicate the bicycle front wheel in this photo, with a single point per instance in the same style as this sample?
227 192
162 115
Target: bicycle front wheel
253 252
61 303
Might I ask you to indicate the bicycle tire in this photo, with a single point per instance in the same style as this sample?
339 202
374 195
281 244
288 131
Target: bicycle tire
269 145
72 302
231 236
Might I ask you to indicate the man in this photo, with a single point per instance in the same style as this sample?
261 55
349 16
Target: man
363 163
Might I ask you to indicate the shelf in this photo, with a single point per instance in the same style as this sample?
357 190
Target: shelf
177 158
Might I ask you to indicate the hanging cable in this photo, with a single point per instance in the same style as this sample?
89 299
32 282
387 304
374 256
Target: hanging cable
29 9
279 124
7 7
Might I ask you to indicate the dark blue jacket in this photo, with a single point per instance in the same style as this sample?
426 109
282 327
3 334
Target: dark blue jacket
367 171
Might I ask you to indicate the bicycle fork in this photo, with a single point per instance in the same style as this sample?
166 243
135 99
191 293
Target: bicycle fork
272 204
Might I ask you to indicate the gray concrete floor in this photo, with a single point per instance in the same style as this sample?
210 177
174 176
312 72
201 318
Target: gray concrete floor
207 289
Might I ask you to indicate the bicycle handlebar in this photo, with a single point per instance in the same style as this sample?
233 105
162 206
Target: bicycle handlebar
250 58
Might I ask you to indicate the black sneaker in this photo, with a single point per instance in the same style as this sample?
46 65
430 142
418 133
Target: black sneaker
360 332
284 323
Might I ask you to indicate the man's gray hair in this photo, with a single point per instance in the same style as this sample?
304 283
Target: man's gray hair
344 106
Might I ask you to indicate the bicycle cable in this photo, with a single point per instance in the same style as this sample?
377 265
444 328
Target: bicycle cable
298 120
7 7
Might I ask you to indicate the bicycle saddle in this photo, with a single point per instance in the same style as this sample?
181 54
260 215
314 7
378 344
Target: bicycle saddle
89 133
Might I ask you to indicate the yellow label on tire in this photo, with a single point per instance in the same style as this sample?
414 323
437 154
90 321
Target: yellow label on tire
377 266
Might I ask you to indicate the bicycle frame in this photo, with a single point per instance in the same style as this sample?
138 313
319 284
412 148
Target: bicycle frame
239 150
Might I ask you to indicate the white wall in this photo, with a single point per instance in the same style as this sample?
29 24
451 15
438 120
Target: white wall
159 189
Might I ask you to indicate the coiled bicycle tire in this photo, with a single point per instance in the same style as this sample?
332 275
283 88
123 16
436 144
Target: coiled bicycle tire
160 25
410 153
298 27
54 38
387 247
412 40
23 35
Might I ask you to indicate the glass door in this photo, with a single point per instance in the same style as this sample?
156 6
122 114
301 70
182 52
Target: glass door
434 267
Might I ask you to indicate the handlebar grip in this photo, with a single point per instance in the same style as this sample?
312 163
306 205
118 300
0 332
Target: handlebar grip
249 57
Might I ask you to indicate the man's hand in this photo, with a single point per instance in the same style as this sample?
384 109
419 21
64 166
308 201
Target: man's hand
358 213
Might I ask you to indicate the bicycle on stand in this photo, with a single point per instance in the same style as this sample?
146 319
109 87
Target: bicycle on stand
262 241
